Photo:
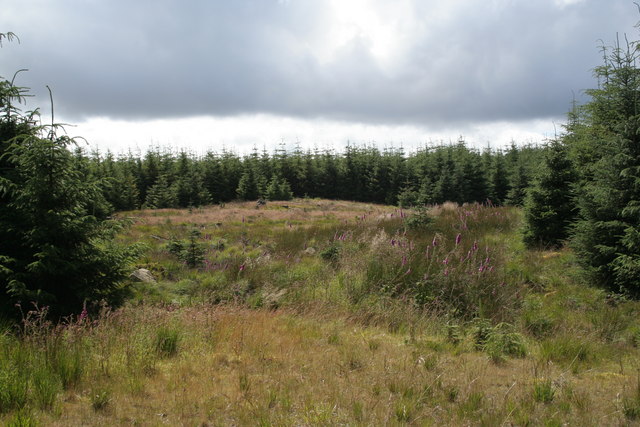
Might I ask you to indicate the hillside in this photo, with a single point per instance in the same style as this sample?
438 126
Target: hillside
317 312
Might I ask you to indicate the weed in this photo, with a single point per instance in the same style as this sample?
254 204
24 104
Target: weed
631 403
504 341
543 391
481 333
358 410
166 341
46 387
451 393
568 350
472 404
22 418
331 253
100 399
454 335
244 382
403 411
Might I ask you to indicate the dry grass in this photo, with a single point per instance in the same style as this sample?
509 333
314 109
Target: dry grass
255 367
384 333
298 210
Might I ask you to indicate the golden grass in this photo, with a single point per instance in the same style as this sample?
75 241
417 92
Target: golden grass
256 367
335 354
296 210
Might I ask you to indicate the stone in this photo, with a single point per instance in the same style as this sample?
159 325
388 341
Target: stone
142 275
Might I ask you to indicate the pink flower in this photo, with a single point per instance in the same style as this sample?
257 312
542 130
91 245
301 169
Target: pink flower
446 271
435 241
458 238
445 261
242 266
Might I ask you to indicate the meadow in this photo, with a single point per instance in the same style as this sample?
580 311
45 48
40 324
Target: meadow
320 312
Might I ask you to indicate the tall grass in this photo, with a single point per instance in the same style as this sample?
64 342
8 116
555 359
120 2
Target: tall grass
356 318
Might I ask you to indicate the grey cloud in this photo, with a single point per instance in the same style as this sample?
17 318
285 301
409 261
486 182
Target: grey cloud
483 61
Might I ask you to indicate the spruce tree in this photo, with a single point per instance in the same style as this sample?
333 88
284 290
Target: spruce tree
607 237
56 246
549 209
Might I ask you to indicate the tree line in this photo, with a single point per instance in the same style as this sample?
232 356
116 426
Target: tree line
447 172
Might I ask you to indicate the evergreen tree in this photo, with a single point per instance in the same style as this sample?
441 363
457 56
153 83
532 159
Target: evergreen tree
518 187
549 209
499 182
162 195
247 187
607 236
56 247
278 189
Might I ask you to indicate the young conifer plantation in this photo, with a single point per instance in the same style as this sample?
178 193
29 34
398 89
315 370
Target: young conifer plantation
445 286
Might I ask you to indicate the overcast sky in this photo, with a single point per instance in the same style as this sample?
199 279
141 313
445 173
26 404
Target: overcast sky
205 74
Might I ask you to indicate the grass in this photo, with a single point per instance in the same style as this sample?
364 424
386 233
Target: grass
334 313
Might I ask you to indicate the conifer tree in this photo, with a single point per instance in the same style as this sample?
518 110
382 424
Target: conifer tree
607 236
248 187
56 247
549 209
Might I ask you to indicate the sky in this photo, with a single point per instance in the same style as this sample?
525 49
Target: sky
213 74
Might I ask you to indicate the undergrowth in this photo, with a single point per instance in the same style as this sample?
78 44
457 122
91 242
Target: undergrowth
333 313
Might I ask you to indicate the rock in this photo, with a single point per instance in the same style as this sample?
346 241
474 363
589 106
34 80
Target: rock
142 275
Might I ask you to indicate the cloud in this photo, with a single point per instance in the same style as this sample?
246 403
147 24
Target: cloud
406 62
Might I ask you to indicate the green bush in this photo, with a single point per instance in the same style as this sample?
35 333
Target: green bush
504 341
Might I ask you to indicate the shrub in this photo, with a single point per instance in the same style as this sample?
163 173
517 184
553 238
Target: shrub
504 341
331 252
419 220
